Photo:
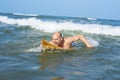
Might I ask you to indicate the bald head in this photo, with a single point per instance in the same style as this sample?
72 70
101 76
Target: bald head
57 34
57 37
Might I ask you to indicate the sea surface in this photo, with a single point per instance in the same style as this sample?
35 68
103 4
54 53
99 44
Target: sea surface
21 57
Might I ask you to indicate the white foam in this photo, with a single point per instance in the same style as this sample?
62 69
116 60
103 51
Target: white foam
25 14
35 49
93 42
91 18
51 26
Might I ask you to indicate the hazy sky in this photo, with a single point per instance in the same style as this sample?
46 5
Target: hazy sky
107 9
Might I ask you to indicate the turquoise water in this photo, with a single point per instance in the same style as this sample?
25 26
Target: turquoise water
21 57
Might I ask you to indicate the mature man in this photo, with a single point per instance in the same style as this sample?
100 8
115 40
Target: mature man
65 42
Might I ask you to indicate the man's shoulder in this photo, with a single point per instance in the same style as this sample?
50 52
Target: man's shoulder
68 39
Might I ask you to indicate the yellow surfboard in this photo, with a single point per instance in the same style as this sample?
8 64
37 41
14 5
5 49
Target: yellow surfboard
48 46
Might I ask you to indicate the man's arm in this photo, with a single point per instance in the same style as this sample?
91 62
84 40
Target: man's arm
80 37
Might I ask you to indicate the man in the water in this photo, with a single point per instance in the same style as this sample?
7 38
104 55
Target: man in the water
65 42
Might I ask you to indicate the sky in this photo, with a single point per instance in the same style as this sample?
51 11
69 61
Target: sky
105 9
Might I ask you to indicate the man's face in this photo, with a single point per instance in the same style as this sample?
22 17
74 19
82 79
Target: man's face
56 39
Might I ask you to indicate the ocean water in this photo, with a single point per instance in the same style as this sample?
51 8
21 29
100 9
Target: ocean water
21 57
